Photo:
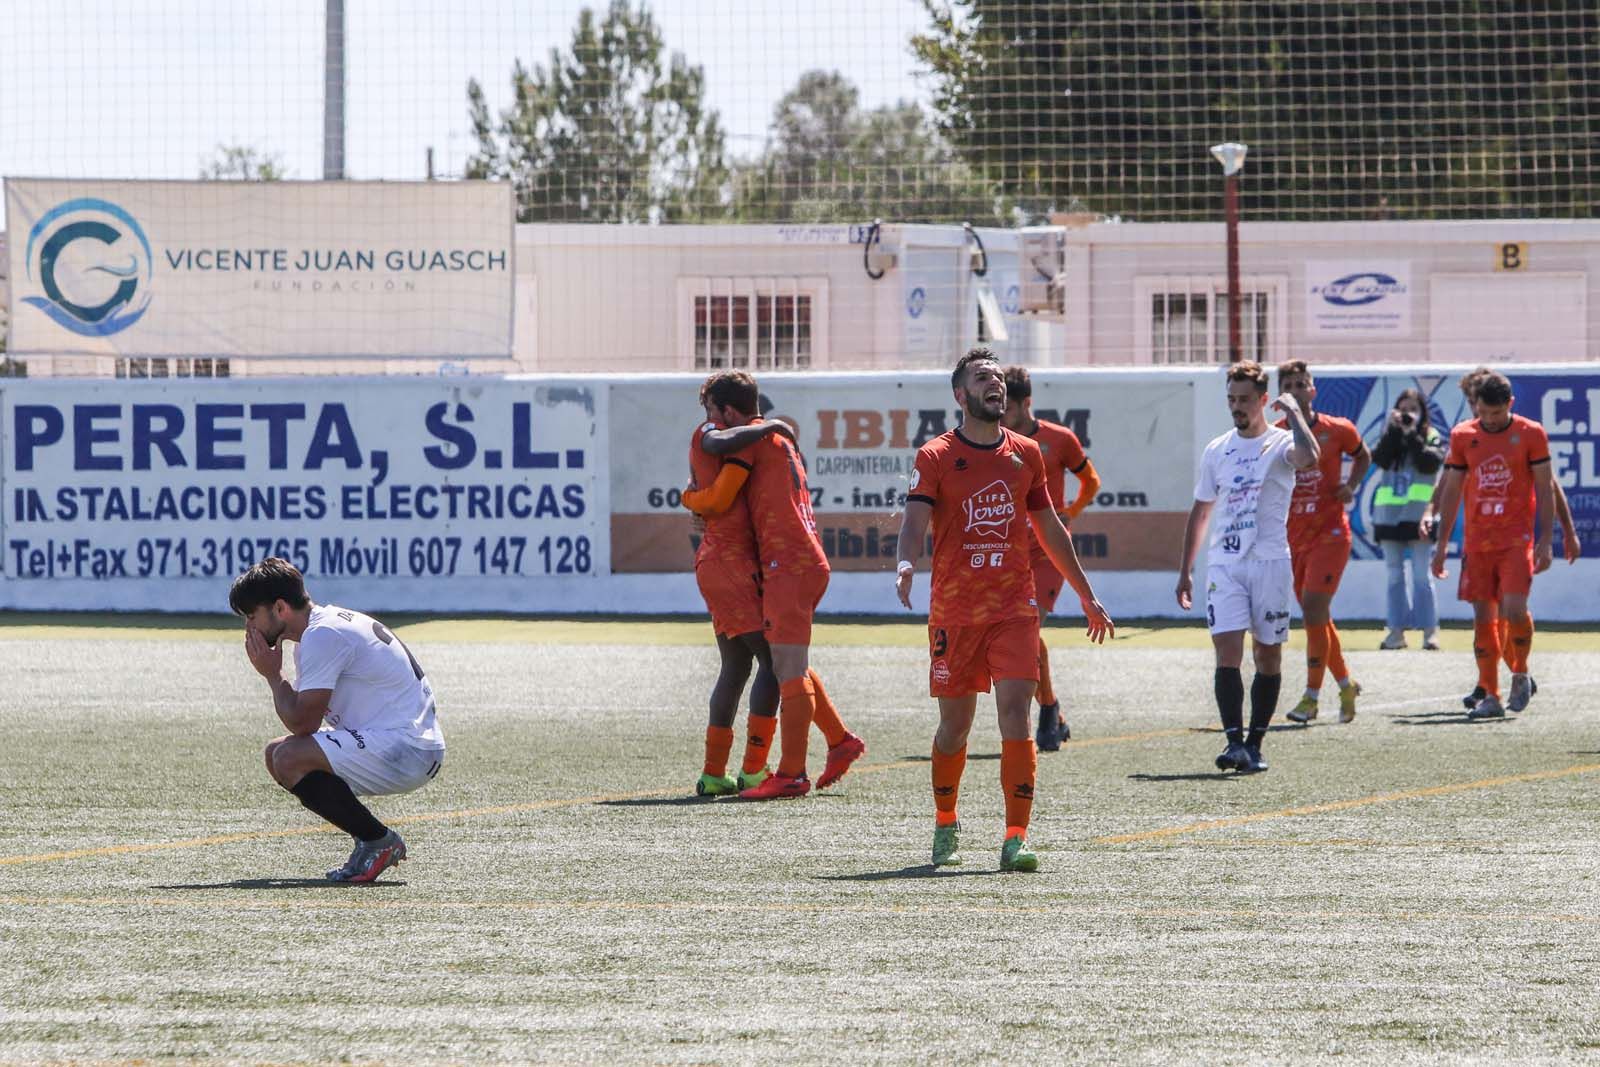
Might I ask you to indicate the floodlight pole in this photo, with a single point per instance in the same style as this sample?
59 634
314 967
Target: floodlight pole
1231 156
333 92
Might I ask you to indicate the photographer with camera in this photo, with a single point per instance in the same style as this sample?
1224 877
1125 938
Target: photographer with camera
1410 453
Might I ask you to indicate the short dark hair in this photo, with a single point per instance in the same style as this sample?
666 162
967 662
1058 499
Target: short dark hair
1248 370
1019 386
732 389
1469 381
977 354
1494 389
1292 366
271 580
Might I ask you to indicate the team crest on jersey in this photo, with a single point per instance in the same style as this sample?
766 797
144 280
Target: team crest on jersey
1494 476
990 510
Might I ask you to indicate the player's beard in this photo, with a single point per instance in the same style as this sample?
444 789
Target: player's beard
978 408
1241 419
273 636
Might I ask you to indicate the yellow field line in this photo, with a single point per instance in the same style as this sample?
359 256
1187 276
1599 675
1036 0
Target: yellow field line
357 900
1345 805
470 813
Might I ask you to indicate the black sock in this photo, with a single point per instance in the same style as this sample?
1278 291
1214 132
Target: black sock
329 796
1263 702
1230 702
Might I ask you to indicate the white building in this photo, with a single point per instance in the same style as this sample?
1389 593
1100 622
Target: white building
848 297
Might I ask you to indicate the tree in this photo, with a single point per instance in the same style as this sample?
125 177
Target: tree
236 163
829 161
612 130
1351 109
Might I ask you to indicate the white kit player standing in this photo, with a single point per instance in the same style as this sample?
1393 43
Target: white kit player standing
382 732
1247 475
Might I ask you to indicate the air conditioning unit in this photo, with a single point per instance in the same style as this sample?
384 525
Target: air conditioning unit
1043 267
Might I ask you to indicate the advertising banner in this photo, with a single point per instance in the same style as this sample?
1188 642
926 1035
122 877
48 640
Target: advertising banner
1567 404
1358 299
387 481
859 435
281 269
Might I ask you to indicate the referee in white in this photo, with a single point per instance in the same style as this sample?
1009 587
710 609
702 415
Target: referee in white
1248 476
360 715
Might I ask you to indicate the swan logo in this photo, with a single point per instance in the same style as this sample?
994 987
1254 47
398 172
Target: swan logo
1354 290
94 263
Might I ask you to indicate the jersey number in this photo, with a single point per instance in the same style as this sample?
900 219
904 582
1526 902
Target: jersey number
941 643
381 632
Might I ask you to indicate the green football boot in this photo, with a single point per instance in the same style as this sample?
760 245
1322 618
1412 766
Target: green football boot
1016 855
946 845
751 779
716 785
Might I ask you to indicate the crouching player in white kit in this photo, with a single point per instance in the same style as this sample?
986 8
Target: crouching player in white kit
1248 474
381 736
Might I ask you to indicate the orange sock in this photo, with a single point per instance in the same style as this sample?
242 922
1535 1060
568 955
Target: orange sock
1019 762
719 742
1336 654
1316 653
797 704
758 742
947 768
1486 650
827 716
1520 644
1047 690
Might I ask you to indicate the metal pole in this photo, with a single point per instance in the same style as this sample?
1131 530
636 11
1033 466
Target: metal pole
333 92
1231 156
1230 196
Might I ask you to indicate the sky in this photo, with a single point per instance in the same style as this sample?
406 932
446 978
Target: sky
150 88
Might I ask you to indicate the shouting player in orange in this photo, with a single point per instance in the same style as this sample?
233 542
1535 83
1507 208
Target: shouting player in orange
728 571
1319 537
974 484
794 575
1503 462
1063 453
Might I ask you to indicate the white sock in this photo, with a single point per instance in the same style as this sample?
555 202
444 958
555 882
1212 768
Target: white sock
1344 683
1311 694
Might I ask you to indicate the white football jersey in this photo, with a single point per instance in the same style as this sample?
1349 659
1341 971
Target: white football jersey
376 684
1251 481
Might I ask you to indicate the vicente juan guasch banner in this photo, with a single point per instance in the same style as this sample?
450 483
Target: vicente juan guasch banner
279 269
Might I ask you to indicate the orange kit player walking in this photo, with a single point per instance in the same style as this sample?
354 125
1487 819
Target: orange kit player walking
727 568
794 576
1063 453
1571 546
1319 538
974 485
1500 463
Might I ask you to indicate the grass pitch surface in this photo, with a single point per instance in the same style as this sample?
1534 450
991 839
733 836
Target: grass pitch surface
1408 888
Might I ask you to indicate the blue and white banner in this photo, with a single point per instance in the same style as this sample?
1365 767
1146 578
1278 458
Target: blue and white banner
1567 404
386 481
1358 299
240 269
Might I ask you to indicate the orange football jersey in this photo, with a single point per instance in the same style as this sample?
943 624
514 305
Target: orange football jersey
1315 514
728 536
1062 452
1498 481
981 497
780 506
